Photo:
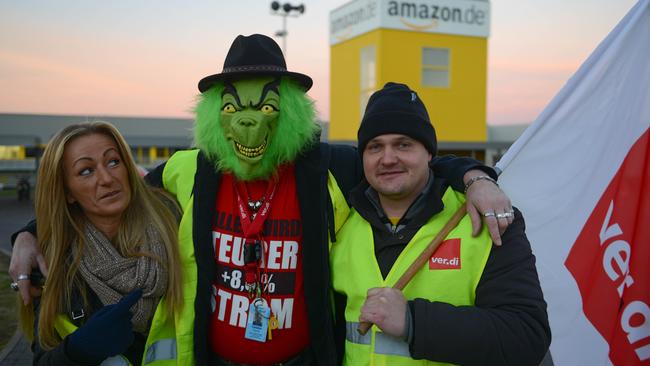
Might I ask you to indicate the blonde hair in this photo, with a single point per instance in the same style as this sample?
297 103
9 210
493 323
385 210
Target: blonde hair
60 229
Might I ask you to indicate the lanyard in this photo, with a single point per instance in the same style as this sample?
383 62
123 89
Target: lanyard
252 224
252 228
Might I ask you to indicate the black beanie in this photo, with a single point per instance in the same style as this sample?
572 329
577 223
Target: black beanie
396 109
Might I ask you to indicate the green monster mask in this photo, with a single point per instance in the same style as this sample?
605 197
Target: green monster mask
250 126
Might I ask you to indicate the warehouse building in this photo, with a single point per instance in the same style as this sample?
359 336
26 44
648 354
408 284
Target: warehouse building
437 47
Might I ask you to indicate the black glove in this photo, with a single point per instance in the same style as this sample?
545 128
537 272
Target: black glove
107 333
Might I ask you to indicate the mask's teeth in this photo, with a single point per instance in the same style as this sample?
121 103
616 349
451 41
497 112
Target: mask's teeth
251 152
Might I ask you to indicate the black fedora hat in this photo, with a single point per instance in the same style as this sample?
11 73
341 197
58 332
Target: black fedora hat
256 54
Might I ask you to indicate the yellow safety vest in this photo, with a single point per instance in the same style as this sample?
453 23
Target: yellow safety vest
355 270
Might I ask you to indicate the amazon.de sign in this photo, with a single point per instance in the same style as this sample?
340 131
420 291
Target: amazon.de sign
459 17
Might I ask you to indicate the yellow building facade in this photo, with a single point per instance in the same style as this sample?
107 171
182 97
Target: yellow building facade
437 47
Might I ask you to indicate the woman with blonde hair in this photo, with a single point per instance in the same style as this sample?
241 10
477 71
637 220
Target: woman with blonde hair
114 287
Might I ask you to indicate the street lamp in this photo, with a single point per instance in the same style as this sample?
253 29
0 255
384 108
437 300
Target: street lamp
285 10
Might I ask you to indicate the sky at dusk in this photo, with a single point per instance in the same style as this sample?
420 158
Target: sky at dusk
144 58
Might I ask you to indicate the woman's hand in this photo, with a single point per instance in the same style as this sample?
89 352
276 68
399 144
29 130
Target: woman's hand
107 333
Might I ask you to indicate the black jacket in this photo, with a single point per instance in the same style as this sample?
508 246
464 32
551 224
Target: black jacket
508 325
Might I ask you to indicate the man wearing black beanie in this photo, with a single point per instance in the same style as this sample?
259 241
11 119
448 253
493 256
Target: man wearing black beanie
473 303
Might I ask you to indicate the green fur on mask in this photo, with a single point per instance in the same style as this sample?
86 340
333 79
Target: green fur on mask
294 129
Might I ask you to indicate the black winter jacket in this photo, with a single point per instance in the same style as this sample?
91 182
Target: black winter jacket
508 325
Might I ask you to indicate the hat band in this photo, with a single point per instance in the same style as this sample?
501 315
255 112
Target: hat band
253 68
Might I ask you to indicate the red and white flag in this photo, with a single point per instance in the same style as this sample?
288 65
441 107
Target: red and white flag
581 175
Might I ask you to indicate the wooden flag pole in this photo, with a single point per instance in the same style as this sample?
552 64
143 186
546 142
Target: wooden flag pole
422 259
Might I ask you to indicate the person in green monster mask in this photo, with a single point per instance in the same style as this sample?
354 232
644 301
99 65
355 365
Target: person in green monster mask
262 200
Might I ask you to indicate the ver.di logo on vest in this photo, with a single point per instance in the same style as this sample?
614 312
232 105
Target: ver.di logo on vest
447 256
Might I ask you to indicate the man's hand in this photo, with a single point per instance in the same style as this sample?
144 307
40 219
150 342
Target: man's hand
485 197
385 307
24 257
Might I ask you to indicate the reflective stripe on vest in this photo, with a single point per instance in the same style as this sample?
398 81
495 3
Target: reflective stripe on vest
389 345
352 335
164 349
384 343
355 270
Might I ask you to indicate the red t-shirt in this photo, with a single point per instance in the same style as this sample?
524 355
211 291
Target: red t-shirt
282 277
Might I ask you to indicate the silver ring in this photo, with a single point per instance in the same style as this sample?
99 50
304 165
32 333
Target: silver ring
22 277
14 286
504 215
489 214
